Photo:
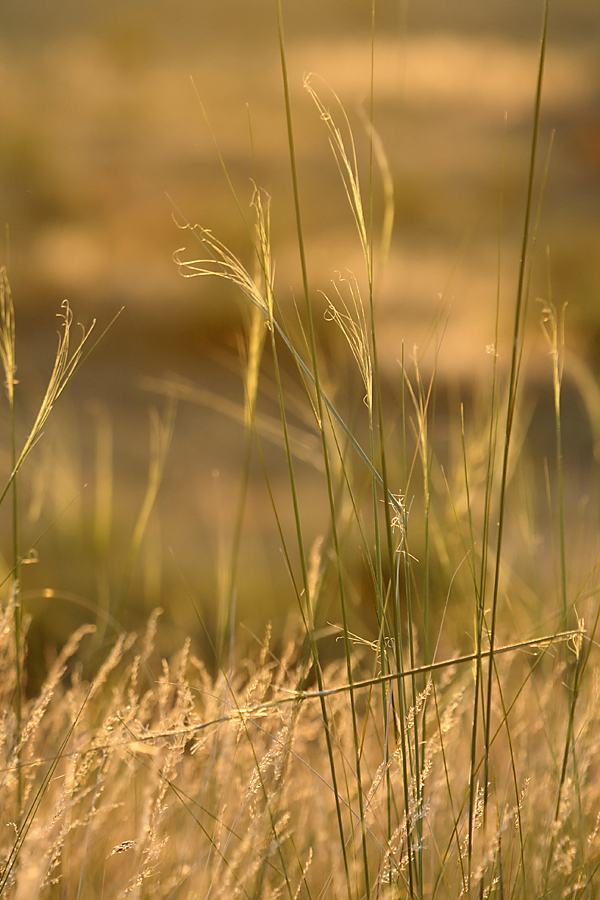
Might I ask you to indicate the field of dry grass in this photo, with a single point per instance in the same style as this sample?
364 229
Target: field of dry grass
159 780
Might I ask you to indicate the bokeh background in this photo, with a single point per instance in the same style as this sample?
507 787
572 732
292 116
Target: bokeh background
104 139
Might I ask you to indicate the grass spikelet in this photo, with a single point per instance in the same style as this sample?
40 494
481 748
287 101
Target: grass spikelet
220 263
353 325
344 151
66 363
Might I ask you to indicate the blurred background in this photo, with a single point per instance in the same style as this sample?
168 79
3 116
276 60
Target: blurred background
104 140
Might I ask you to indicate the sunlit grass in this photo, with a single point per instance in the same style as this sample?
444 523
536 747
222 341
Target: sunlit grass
425 724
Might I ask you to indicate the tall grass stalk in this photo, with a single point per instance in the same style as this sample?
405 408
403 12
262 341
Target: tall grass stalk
513 383
321 426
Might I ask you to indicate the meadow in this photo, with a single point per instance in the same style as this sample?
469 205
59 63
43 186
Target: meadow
343 641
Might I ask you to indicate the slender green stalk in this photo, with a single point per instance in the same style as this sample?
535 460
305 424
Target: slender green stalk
303 559
480 586
321 426
512 392
382 591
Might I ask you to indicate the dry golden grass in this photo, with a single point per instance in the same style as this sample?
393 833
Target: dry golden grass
152 778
